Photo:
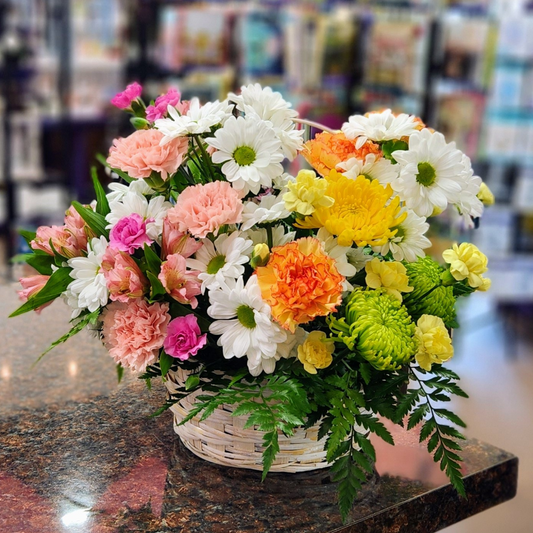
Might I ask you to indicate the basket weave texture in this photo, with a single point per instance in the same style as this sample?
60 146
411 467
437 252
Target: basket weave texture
222 439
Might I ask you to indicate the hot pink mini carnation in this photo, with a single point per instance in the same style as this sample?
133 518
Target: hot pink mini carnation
159 109
123 276
203 209
184 338
129 233
140 154
135 332
182 284
124 99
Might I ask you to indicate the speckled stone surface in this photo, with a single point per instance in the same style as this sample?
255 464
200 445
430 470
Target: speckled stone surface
79 453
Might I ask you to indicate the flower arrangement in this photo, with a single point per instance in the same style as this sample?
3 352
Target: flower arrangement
298 300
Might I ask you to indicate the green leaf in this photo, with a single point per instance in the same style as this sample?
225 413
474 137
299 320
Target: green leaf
366 372
433 441
427 429
390 146
452 417
157 288
165 362
348 489
41 263
271 448
27 235
57 284
94 220
152 260
417 415
366 446
102 204
120 372
192 382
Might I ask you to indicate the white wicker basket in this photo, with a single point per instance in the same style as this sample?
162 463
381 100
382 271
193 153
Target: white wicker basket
221 438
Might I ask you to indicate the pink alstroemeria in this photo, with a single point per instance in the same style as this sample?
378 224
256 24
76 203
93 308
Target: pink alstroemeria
31 286
62 241
175 241
124 278
183 285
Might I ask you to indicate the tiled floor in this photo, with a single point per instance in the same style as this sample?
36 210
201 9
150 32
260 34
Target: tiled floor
500 407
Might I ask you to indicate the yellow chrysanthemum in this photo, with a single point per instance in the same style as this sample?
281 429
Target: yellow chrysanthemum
306 193
391 275
485 194
364 211
434 342
316 352
467 262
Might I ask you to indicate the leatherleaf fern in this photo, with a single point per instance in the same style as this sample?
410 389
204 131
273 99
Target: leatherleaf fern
349 400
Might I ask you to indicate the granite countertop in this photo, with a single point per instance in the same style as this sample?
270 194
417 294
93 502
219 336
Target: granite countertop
79 453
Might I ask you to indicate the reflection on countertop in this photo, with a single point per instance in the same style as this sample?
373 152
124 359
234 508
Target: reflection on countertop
79 453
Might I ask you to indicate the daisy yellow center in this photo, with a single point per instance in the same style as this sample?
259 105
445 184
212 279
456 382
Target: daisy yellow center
246 317
244 156
216 264
400 232
426 174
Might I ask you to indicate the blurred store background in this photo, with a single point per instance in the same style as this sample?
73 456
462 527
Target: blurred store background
465 67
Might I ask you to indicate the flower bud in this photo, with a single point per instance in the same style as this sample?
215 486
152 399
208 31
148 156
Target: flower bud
485 194
260 255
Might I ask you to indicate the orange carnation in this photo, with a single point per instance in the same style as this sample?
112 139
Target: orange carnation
327 150
300 282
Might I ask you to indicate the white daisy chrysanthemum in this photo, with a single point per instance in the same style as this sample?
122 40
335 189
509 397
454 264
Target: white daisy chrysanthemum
89 289
250 152
430 173
409 242
383 126
280 182
153 211
289 348
119 190
279 237
198 119
243 321
380 169
332 248
269 208
469 205
357 258
221 261
269 105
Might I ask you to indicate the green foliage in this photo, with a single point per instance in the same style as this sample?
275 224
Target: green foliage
57 283
95 221
42 263
441 438
102 204
391 146
165 363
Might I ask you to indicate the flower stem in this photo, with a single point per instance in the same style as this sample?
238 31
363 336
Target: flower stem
205 157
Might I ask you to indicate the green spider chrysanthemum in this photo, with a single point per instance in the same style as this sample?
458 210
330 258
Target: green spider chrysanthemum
377 326
429 297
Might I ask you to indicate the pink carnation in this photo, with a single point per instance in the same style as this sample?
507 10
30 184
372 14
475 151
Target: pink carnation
123 276
63 241
203 209
124 99
182 284
31 286
140 154
135 332
159 109
129 233
184 337
175 241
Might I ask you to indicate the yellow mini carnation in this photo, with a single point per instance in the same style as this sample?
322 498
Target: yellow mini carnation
391 275
467 261
316 352
434 342
307 193
485 194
